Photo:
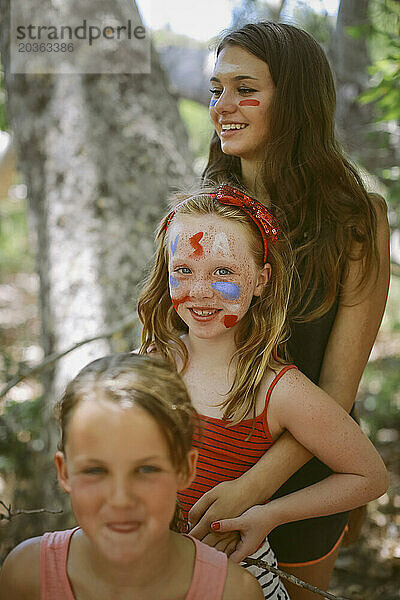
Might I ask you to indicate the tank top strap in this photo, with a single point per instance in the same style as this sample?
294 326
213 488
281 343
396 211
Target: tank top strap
209 574
275 381
54 582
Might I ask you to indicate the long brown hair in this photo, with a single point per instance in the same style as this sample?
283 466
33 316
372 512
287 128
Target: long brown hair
316 190
260 335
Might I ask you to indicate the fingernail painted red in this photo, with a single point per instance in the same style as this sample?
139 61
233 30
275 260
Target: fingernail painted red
215 526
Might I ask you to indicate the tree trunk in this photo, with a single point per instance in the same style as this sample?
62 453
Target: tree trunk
356 126
99 154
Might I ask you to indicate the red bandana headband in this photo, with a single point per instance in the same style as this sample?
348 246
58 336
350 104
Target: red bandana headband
230 196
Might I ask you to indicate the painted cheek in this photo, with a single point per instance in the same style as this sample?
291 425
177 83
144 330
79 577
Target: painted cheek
213 102
177 301
174 283
230 320
249 102
229 291
194 242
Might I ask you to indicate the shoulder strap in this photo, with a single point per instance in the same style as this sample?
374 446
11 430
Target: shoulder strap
54 582
209 574
275 381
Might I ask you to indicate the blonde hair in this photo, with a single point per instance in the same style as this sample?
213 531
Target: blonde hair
260 335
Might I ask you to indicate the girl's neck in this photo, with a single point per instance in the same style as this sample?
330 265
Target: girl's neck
251 177
136 575
211 353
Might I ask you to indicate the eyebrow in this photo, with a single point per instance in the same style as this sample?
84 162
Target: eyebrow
90 459
236 77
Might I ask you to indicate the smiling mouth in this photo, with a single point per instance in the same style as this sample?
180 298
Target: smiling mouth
233 126
204 312
124 527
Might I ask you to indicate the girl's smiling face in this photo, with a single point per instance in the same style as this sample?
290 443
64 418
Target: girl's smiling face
213 275
120 477
242 91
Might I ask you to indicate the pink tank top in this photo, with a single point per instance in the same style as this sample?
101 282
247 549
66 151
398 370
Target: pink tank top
208 578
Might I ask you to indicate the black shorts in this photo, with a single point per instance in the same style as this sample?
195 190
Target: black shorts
310 540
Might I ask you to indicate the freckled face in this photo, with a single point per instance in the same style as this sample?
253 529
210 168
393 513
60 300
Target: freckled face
242 93
212 273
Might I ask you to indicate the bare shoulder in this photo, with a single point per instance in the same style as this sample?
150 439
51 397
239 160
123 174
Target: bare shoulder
294 396
292 382
240 584
20 574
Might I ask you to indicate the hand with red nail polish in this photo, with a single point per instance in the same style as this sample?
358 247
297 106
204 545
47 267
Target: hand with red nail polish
253 525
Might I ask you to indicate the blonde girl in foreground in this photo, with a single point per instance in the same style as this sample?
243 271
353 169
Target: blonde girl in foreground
127 425
215 307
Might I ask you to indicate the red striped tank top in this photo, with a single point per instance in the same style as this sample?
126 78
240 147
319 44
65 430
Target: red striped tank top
226 451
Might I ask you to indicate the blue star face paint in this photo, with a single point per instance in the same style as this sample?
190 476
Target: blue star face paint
174 245
174 283
229 291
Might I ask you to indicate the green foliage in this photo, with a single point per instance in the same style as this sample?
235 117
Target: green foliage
381 402
21 430
384 45
384 91
198 125
14 248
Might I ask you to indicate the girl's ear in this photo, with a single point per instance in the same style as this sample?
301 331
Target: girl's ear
62 471
187 476
263 279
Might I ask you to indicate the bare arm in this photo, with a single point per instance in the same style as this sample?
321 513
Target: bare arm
19 576
350 343
328 432
241 584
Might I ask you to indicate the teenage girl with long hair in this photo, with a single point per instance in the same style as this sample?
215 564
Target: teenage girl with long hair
214 306
273 108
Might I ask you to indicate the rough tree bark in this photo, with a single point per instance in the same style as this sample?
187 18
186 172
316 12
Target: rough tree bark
99 154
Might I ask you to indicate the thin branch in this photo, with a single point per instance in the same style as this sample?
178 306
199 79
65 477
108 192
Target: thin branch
55 356
307 586
10 513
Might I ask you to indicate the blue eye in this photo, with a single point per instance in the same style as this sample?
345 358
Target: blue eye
223 271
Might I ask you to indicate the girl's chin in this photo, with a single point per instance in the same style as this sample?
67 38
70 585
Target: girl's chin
210 333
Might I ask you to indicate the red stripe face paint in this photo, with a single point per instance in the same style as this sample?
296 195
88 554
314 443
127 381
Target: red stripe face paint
249 102
194 242
177 301
230 320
